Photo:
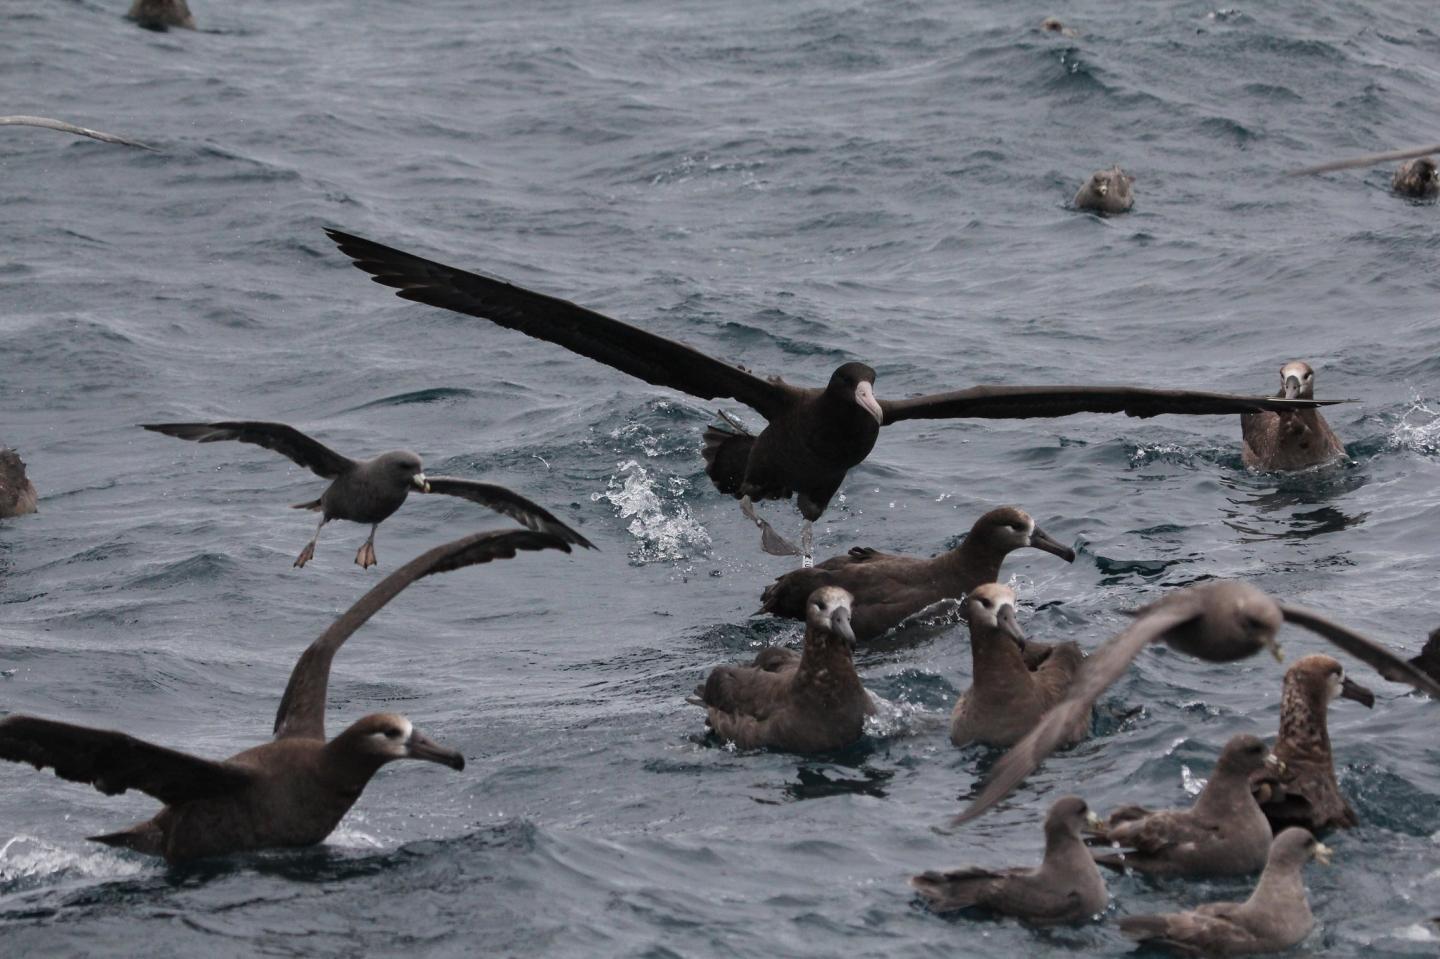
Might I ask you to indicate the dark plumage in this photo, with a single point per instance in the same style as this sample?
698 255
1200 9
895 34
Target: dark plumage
806 702
812 437
1066 888
1418 178
1274 918
1291 440
1008 696
161 14
1219 621
1428 661
367 491
1107 191
17 493
888 587
291 791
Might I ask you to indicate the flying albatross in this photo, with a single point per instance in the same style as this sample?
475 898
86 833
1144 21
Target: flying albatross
1219 621
291 791
64 127
813 437
367 491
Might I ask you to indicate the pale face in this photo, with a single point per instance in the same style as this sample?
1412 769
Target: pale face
1297 379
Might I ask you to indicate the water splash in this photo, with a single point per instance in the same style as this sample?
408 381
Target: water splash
659 517
1191 783
26 861
1418 429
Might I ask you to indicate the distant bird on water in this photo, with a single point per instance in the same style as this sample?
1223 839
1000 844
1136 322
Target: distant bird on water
17 493
63 127
1107 191
1294 439
367 491
161 14
291 791
812 437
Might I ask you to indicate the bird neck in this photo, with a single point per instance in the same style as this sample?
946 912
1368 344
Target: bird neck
1304 732
1064 850
1280 883
998 658
1222 794
973 562
825 663
347 769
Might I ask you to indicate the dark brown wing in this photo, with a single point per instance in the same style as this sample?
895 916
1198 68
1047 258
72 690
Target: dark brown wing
1094 676
114 762
1022 402
513 505
1369 159
64 127
651 358
285 440
1386 663
302 709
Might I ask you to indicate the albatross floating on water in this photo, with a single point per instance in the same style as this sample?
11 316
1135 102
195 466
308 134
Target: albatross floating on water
367 491
291 791
812 437
17 493
1294 439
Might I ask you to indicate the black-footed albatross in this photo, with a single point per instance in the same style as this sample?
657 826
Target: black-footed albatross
806 702
1066 888
367 491
812 437
1274 918
1008 696
17 493
1294 439
1418 178
291 791
64 127
1307 794
161 14
888 587
1223 834
1219 621
1107 191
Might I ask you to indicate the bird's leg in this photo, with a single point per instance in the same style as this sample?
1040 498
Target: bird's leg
308 553
807 543
365 558
770 541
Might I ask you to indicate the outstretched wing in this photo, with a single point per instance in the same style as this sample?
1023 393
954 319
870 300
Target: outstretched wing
302 709
114 762
1023 402
1386 663
1369 159
652 358
64 127
1094 676
285 440
505 502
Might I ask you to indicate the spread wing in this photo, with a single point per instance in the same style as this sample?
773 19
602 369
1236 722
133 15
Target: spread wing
1022 402
1094 676
302 709
64 127
285 440
507 503
1386 663
651 358
114 762
1368 160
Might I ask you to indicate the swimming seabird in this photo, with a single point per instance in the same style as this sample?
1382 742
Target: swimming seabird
1417 178
64 127
367 491
1428 661
291 791
1307 794
1293 439
17 493
806 702
161 14
812 437
1224 834
1274 918
1066 888
1107 191
1219 621
1007 697
888 587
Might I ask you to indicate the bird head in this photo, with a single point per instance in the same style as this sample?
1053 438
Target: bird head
1010 528
386 737
827 613
1297 381
855 383
992 606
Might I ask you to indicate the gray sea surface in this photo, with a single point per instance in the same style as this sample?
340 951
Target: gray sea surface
787 185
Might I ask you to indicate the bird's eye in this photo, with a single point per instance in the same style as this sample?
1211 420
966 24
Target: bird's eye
392 733
1308 375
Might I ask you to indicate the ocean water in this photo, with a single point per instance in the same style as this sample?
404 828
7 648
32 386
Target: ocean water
784 185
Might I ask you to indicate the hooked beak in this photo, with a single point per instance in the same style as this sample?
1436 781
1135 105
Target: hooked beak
1094 822
420 482
1292 387
1274 646
1276 764
1323 853
840 625
1042 540
1349 689
423 747
865 399
1103 188
1009 625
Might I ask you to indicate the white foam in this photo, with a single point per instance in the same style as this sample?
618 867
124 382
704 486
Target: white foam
26 857
644 499
1418 429
1192 784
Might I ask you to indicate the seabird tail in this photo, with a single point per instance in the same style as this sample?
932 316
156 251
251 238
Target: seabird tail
727 453
314 504
143 837
948 891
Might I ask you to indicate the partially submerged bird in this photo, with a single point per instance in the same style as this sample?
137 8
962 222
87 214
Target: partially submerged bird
1418 178
63 127
291 791
1307 794
1219 621
1007 697
1066 888
888 587
1293 439
1107 191
812 437
1223 834
161 14
367 491
806 702
17 493
1274 918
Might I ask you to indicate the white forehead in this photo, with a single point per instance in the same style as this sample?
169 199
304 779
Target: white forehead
1297 369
